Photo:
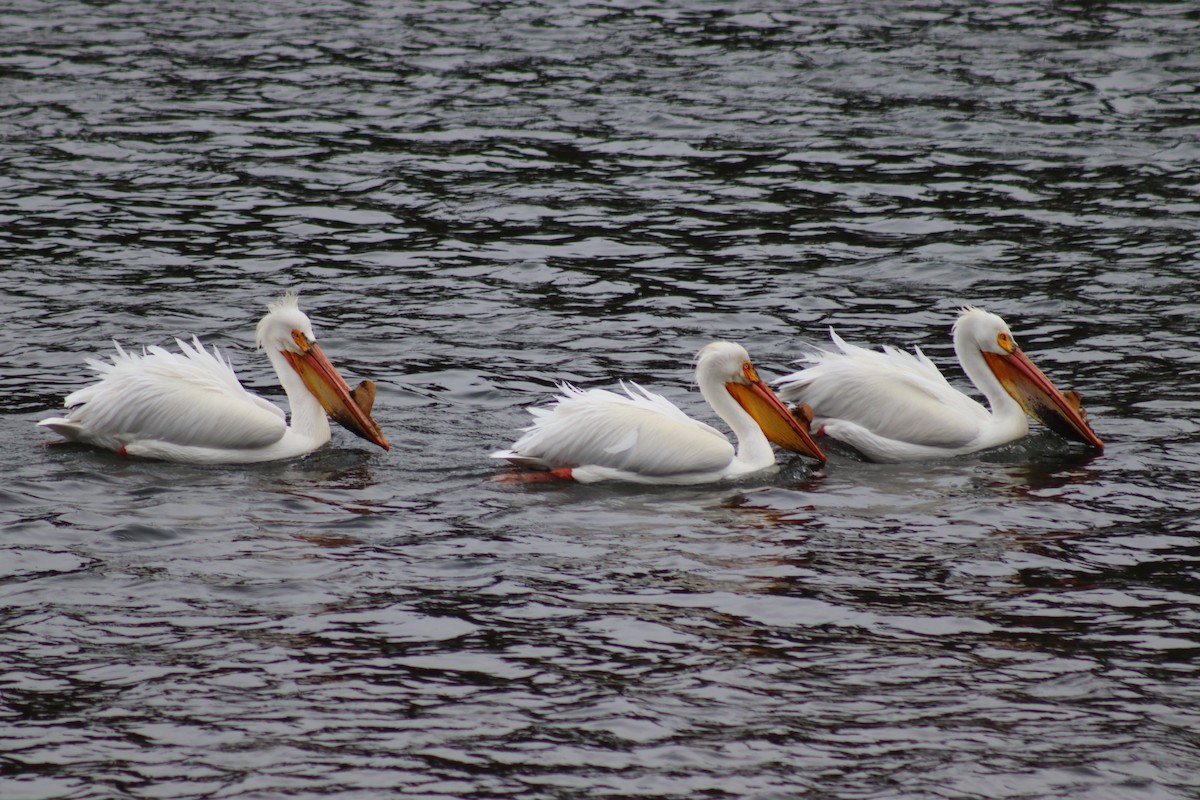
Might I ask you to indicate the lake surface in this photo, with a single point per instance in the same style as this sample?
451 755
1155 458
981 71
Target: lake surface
479 200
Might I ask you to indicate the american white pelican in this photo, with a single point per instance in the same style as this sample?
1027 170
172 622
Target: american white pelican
896 406
642 437
190 407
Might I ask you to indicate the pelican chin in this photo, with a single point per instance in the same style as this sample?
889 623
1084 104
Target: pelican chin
189 406
896 406
642 437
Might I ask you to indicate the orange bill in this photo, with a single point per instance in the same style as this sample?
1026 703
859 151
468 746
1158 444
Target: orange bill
348 408
1041 399
779 424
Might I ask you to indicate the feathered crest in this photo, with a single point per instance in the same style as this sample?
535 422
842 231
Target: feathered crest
289 300
287 305
963 313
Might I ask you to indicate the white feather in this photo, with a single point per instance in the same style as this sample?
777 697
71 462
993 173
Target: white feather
894 394
637 432
641 436
191 398
897 406
190 406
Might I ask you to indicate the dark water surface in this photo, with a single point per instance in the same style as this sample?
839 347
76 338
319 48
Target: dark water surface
477 200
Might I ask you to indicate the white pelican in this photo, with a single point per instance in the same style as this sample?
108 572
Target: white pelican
643 437
190 407
895 406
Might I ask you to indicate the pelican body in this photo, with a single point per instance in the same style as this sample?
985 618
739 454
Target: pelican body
642 437
893 406
190 407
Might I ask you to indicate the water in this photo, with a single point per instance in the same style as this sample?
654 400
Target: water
478 200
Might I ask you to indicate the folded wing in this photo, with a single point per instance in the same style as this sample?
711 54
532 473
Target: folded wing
892 393
639 432
189 398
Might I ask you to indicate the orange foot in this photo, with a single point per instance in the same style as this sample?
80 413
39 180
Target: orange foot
534 476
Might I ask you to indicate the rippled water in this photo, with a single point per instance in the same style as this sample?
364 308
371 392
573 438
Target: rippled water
478 200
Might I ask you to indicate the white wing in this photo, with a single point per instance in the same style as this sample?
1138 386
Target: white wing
638 432
190 398
891 393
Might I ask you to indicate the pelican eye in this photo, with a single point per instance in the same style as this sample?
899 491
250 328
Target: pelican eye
749 371
301 340
1005 341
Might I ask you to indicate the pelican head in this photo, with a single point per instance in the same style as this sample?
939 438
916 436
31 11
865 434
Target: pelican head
729 364
1019 377
287 330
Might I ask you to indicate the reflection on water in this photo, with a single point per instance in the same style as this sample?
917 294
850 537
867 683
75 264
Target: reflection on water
480 201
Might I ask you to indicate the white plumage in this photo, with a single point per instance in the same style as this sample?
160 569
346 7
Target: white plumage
891 405
643 437
189 406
